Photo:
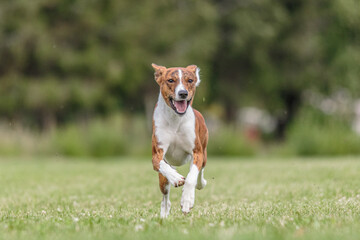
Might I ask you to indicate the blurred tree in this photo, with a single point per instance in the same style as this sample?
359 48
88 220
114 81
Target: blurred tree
270 52
61 60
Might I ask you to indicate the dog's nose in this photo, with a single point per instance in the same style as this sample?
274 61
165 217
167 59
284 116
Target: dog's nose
183 94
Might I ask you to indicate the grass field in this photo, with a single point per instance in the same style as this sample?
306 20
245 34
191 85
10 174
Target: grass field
244 199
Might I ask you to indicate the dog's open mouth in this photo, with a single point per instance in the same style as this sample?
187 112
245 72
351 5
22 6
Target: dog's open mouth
181 106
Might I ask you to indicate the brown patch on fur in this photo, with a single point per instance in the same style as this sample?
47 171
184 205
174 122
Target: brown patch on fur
157 153
201 140
158 70
192 68
163 182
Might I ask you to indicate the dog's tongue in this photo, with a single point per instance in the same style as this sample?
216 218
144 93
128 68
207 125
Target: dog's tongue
180 106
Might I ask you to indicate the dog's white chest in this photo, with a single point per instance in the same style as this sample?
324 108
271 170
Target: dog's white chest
180 148
175 135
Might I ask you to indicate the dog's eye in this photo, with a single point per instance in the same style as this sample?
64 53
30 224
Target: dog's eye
171 80
190 80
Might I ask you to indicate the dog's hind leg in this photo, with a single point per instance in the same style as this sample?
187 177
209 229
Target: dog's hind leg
165 203
201 182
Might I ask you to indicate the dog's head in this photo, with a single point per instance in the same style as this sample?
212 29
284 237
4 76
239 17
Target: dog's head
177 85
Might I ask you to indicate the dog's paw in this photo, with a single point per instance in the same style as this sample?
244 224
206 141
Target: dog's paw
171 174
187 198
176 179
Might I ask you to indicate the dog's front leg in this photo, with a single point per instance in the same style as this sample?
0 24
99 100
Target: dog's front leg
188 195
171 174
167 176
161 166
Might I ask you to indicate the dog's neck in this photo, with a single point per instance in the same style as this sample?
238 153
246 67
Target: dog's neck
169 114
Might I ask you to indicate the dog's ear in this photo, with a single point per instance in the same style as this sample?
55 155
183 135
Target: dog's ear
196 70
159 70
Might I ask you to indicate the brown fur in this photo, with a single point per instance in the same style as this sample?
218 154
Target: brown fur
157 153
201 141
162 183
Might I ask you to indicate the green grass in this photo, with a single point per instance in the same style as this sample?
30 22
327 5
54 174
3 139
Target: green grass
244 199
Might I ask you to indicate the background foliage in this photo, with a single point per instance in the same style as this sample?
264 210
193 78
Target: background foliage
69 68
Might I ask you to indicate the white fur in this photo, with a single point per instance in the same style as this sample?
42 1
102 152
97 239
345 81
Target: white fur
170 173
198 76
165 203
201 182
179 87
175 134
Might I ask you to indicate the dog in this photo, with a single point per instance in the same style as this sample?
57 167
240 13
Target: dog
179 135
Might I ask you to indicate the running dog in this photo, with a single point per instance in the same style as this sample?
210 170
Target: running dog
179 135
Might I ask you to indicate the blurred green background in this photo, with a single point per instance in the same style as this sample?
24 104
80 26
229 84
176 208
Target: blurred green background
278 77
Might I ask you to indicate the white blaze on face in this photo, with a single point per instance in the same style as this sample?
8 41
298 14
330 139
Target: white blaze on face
179 103
180 86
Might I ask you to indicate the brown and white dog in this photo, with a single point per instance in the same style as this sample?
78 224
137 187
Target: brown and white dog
179 135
